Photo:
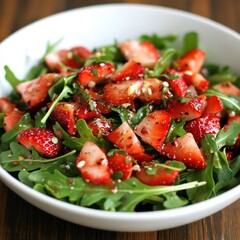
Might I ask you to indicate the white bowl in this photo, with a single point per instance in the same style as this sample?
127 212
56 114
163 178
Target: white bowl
100 25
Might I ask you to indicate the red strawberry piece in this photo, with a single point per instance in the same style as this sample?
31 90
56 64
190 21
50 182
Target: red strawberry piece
71 58
100 127
191 61
124 138
143 52
6 105
93 164
214 106
230 120
85 112
93 74
197 80
161 176
130 71
177 85
153 128
122 92
42 140
64 114
201 126
186 150
151 90
120 164
227 88
190 109
101 105
11 119
35 92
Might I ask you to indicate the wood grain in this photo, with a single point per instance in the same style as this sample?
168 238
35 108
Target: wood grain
21 221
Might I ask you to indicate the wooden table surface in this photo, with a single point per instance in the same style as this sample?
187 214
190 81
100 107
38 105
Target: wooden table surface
20 220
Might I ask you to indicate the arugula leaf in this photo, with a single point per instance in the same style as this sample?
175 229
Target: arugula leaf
124 196
108 53
217 74
229 137
190 42
84 95
85 135
62 89
160 42
2 115
231 103
18 158
164 62
11 78
130 117
175 130
24 123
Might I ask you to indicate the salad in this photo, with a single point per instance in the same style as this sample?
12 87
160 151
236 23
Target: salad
139 125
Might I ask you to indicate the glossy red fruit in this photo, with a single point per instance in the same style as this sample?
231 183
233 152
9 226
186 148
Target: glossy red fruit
130 71
42 140
191 61
214 105
122 92
143 52
71 58
120 164
93 164
64 114
6 105
227 88
189 109
154 128
201 126
93 74
186 150
197 80
162 176
124 138
11 119
34 93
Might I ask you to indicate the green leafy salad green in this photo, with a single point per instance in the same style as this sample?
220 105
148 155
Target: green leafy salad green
201 105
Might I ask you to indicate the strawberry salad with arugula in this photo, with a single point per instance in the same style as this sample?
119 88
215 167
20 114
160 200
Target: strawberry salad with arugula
138 125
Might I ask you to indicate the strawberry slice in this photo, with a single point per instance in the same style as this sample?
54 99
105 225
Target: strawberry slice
191 61
92 163
120 166
124 138
93 74
161 176
143 52
42 140
186 150
64 114
153 128
11 119
71 58
227 88
100 127
6 105
35 92
122 92
151 90
197 80
201 126
130 71
190 109
214 106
